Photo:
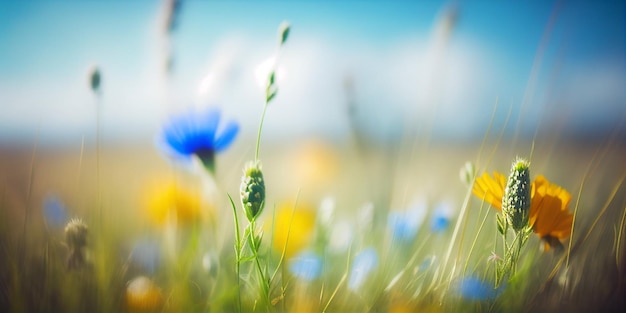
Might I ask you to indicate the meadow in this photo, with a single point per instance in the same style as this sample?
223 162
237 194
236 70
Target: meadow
206 218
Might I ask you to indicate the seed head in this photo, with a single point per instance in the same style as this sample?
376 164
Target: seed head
252 190
516 199
76 234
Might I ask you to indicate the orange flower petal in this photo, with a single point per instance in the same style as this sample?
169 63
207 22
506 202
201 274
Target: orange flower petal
549 215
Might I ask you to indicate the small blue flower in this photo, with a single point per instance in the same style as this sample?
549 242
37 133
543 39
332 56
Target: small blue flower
441 217
404 225
147 254
54 211
306 266
364 263
472 288
195 132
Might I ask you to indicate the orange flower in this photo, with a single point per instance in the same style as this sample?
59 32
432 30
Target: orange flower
549 214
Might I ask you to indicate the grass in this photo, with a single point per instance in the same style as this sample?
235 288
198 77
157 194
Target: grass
34 277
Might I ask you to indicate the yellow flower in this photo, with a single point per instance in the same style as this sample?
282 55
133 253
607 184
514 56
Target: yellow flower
142 295
298 236
490 189
549 213
551 220
171 201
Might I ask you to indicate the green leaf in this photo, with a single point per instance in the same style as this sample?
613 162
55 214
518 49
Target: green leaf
272 78
270 94
247 259
257 239
501 224
283 31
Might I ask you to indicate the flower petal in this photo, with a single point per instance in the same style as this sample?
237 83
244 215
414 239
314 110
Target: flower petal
226 137
490 189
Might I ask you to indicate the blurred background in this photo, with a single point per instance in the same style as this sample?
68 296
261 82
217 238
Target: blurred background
382 68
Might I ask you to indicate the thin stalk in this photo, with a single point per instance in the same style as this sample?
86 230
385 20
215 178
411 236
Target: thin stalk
343 279
480 228
284 252
619 237
254 247
237 252
455 232
258 136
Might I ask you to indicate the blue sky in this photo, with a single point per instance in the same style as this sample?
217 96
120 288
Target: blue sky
409 69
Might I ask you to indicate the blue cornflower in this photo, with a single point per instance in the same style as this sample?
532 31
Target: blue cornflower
54 211
364 263
195 132
404 225
441 217
472 288
306 266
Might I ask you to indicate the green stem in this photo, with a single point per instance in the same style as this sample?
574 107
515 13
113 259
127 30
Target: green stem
237 251
258 138
254 247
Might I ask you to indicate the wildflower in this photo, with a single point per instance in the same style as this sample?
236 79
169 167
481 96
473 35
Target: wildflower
293 230
306 266
472 288
516 200
404 226
76 240
441 217
252 190
142 295
549 213
364 263
170 200
490 189
54 210
493 257
195 132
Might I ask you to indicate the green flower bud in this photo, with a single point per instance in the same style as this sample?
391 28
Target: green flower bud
516 199
252 190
